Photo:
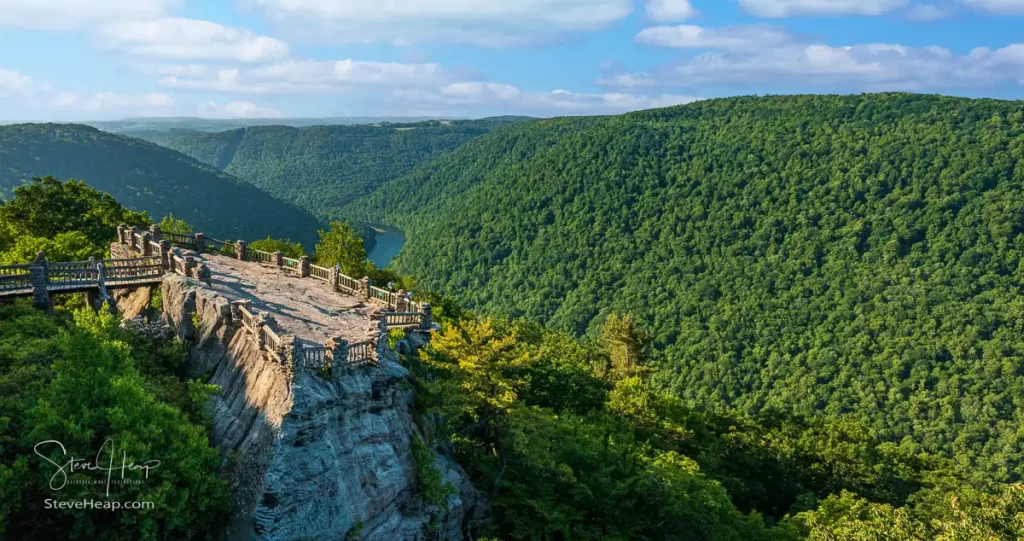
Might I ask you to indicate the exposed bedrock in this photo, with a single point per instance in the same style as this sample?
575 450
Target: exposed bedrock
312 457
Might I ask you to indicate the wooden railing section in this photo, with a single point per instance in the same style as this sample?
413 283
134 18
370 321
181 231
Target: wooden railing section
15 279
403 319
348 284
361 352
260 256
41 278
320 273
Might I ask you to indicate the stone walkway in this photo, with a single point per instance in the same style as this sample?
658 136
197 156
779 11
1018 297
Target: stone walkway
303 307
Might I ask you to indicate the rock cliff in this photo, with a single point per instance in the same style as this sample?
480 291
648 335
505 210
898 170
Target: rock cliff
309 457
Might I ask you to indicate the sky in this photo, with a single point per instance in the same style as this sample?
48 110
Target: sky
67 60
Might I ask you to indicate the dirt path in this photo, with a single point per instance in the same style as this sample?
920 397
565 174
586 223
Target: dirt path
304 307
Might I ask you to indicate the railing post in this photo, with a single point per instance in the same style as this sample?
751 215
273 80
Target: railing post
121 230
190 266
131 235
259 321
236 313
381 341
426 317
365 286
38 275
99 272
165 252
203 273
147 250
400 302
155 230
304 266
200 242
335 279
290 352
240 250
336 351
278 259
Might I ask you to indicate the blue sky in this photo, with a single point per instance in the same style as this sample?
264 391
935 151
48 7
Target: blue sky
107 59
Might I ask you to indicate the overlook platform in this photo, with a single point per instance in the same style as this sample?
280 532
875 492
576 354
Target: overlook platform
300 306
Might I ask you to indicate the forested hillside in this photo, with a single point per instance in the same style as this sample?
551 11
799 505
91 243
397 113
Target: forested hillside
323 168
854 256
564 438
146 177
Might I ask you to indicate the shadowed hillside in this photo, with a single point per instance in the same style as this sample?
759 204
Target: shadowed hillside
144 176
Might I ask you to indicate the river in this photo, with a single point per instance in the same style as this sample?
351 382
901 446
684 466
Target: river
389 242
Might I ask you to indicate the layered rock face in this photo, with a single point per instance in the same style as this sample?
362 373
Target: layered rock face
312 457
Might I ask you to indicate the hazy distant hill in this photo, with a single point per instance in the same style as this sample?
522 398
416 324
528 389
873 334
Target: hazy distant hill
323 168
133 125
145 176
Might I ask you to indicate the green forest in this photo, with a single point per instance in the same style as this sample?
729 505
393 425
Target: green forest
146 177
850 258
80 377
323 168
567 438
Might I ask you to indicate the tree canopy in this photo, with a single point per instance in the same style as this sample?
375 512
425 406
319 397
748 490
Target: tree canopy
850 256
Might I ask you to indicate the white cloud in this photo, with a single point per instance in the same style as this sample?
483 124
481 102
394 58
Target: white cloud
925 12
998 6
502 97
106 102
491 23
66 14
726 37
190 39
294 77
867 67
13 83
670 10
237 109
791 8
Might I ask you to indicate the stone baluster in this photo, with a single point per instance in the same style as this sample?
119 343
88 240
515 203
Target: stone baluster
278 259
200 242
380 342
290 352
147 250
236 313
426 317
304 266
335 279
337 352
401 301
365 286
132 231
203 273
259 321
240 250
165 255
190 266
122 231
38 276
155 230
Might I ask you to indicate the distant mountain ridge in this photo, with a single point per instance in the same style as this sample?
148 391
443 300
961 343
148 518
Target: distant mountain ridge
144 176
324 168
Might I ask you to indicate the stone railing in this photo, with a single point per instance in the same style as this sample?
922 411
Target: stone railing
157 242
285 349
